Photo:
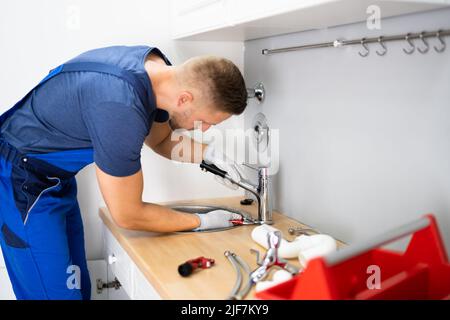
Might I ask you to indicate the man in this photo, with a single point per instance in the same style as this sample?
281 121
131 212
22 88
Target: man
100 107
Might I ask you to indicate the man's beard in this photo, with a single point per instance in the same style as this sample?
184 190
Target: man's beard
174 124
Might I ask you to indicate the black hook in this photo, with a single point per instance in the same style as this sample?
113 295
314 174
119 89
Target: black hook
443 45
427 46
380 41
363 43
408 39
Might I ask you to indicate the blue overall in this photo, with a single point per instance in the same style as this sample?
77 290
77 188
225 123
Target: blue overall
41 231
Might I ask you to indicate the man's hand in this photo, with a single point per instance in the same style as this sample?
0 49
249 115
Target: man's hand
160 141
213 156
217 219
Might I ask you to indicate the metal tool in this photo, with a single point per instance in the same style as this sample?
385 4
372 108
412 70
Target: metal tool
237 263
237 222
243 221
189 266
237 284
298 231
270 260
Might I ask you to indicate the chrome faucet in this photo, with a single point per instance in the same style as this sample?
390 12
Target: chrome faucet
261 190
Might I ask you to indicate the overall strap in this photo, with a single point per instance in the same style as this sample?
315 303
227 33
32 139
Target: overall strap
111 70
87 67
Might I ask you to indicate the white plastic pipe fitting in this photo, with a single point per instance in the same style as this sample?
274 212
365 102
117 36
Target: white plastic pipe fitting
286 250
314 246
303 247
278 277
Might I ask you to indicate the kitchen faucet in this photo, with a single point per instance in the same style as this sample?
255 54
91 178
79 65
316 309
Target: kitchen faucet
261 191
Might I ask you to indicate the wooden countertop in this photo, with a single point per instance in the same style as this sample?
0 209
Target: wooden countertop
159 255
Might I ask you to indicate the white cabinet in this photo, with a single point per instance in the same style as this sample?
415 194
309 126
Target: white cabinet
119 263
191 16
239 20
97 269
248 10
142 290
121 266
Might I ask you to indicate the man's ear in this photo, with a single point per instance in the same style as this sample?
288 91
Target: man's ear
184 98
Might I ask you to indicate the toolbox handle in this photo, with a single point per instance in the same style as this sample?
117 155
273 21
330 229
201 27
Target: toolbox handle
390 236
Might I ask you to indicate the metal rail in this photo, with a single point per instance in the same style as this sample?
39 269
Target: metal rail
408 37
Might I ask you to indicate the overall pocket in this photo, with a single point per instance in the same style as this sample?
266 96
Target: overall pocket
29 187
11 238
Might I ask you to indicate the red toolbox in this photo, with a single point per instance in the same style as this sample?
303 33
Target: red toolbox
366 271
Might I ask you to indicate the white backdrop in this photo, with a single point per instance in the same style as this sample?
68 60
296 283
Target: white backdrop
37 35
364 142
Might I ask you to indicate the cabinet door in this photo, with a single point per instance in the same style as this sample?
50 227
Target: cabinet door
115 294
191 16
119 263
134 284
98 270
143 290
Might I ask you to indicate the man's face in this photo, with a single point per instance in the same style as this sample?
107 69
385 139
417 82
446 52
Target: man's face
188 113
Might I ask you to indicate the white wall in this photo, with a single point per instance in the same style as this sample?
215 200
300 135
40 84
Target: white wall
38 35
364 141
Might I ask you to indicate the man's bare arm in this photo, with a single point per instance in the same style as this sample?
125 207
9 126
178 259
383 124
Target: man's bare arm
123 196
160 141
158 133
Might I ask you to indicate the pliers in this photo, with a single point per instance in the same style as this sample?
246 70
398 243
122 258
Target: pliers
242 221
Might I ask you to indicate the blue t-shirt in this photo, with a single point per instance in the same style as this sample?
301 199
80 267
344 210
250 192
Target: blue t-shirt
79 110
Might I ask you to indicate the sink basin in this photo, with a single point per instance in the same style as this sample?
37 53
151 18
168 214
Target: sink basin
205 209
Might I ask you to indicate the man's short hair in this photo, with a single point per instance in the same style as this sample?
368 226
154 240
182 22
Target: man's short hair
224 82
